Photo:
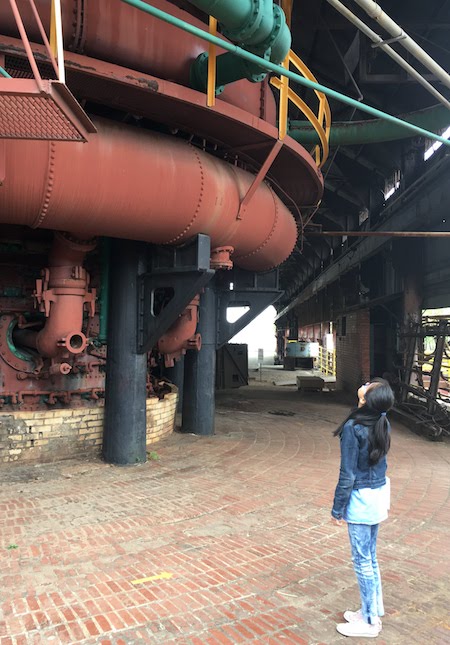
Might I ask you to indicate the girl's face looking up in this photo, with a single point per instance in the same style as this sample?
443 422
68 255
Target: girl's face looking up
362 393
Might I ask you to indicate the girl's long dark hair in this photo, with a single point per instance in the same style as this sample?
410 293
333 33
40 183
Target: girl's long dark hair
379 399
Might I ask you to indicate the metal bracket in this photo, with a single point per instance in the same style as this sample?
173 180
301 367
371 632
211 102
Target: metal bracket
254 290
185 270
389 41
260 177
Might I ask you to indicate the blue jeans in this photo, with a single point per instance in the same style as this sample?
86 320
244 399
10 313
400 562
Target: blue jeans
363 541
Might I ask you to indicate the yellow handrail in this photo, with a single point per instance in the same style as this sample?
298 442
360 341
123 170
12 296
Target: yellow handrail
321 123
327 362
56 38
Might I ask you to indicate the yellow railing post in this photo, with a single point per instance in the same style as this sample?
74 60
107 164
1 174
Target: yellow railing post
56 38
284 98
211 93
53 31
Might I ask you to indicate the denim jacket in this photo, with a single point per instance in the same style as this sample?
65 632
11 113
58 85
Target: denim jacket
355 471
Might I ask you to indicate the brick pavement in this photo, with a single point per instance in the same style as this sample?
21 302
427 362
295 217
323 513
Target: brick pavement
240 522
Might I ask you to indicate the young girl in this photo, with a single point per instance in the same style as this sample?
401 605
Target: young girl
362 499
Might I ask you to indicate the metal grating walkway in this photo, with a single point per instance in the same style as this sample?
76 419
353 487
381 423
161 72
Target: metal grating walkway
50 113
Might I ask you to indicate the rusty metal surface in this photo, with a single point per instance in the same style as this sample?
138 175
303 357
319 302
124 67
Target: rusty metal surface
113 31
61 294
112 186
234 131
52 114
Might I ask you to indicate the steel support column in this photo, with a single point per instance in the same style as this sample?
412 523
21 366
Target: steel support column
200 372
124 440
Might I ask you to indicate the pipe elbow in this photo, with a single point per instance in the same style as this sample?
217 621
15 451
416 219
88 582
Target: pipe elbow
181 335
52 342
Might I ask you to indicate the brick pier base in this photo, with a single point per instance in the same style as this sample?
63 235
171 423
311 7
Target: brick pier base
50 435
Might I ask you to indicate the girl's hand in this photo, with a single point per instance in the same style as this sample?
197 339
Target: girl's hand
336 522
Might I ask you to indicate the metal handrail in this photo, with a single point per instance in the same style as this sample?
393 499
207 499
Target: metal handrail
321 123
55 48
327 361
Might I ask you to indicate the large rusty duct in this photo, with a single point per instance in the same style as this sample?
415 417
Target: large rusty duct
139 185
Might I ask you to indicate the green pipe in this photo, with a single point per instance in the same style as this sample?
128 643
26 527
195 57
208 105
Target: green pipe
279 70
258 25
104 290
229 68
232 13
371 131
4 73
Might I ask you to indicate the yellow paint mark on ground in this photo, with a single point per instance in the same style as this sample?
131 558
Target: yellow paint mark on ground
160 576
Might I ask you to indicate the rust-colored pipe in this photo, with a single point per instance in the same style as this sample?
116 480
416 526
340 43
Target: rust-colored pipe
181 335
113 31
136 184
61 295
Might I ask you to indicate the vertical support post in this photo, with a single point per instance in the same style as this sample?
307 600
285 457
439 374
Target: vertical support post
437 366
284 97
175 375
124 439
59 40
200 372
211 90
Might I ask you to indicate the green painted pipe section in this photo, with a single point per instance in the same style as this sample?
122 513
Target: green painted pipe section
105 253
232 13
4 73
279 70
229 68
372 131
263 31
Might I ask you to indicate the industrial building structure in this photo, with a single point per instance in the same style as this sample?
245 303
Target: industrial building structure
163 161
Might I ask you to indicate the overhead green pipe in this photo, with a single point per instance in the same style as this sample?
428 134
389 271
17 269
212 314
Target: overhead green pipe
233 14
372 131
258 25
229 68
278 69
4 73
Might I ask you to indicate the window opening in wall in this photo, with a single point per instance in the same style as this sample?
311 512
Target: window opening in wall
433 146
427 348
392 185
344 326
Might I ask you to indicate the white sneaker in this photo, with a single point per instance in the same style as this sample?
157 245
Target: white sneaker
353 616
359 629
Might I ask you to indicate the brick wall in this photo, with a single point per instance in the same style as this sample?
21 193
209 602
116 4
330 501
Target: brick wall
353 351
51 435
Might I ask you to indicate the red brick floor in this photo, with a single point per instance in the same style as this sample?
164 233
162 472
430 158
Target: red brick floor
241 523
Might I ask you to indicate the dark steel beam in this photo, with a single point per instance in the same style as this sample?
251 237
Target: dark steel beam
125 425
254 290
183 269
200 372
377 234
